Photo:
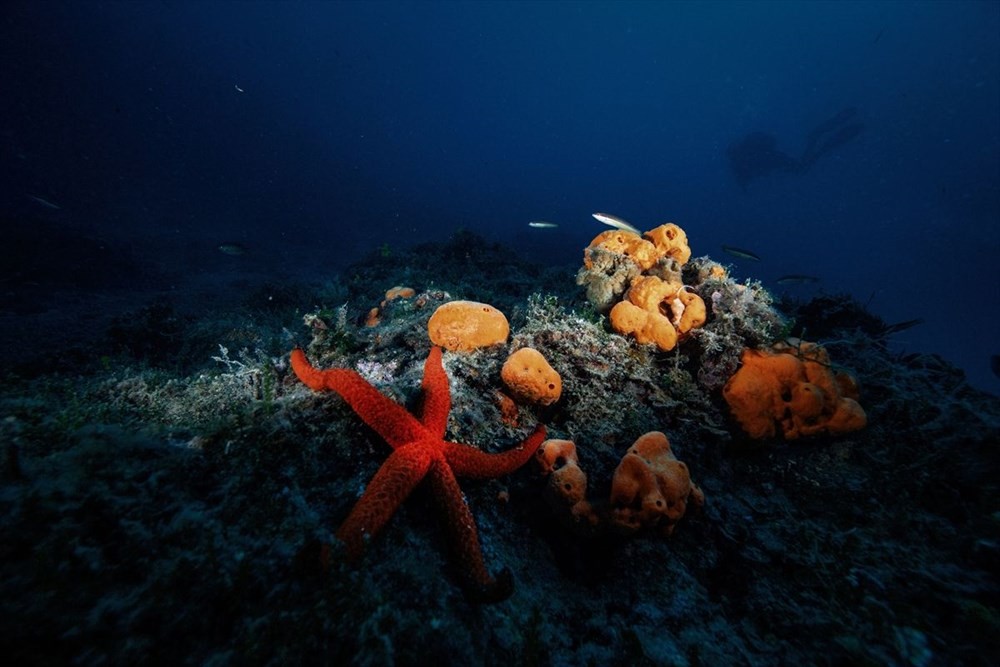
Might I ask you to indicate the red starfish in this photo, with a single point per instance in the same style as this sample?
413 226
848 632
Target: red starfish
420 451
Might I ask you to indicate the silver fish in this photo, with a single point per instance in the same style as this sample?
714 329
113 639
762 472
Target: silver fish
542 224
796 279
741 253
45 202
616 222
234 249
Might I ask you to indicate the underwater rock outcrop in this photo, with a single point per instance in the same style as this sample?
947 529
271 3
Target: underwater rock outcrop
153 515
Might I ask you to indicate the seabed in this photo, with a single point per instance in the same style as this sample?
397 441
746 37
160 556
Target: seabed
165 484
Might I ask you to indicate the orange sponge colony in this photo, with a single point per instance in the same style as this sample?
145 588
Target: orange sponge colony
461 326
790 389
667 240
637 280
530 378
636 248
651 488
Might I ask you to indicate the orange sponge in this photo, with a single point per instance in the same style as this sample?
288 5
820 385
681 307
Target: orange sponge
399 292
466 325
530 378
657 311
670 241
791 389
567 482
651 488
642 252
689 311
646 327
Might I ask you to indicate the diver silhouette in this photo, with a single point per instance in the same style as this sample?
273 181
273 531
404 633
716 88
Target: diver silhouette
757 153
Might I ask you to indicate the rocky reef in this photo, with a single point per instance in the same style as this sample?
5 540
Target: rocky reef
167 509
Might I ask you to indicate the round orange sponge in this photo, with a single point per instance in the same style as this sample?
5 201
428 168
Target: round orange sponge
530 378
461 326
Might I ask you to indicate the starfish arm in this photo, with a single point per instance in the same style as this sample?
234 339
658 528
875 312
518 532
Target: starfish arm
387 490
479 585
468 461
437 395
388 418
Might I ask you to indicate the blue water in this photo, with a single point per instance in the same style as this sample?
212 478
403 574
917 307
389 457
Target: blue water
313 133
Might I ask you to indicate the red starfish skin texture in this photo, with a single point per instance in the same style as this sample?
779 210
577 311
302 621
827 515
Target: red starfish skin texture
420 451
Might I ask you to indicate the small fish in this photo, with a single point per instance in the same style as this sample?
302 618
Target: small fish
541 224
741 253
616 222
234 249
45 202
238 89
796 279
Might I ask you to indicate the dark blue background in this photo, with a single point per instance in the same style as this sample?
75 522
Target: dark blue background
365 124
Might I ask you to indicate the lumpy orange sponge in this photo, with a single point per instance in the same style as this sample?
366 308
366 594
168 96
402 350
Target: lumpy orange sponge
791 390
644 253
530 378
567 486
651 488
670 241
461 326
667 240
657 311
